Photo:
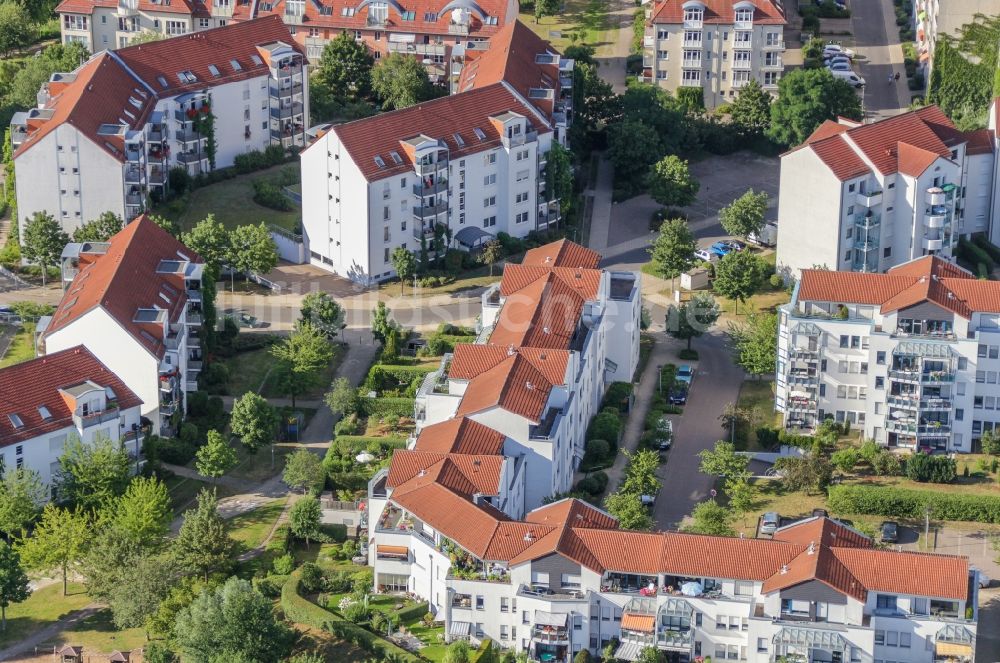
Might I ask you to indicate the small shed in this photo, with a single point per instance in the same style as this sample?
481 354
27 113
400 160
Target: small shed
120 656
70 654
696 279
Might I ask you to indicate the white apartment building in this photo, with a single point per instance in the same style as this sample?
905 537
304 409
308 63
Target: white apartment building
67 394
716 45
865 197
109 24
104 137
910 356
471 165
135 304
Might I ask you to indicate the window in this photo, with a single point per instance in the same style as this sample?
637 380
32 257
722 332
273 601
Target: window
489 222
385 258
205 23
744 588
490 158
886 602
904 639
892 638
489 201
503 631
480 603
761 645
880 357
879 637
523 154
490 179
844 339
521 197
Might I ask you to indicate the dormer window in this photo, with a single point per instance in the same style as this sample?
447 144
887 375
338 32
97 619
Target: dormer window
694 14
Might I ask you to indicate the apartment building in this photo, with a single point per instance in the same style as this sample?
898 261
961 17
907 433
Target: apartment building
427 29
716 45
104 137
65 395
935 18
135 303
471 164
909 356
866 197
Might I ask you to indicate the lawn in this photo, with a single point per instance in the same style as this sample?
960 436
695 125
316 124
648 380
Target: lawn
251 371
41 609
183 491
757 395
22 347
252 527
98 633
587 18
432 637
231 201
474 278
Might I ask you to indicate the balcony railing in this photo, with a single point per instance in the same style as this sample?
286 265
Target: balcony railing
743 63
934 429
285 90
516 140
190 157
424 188
187 135
133 175
674 639
691 63
428 211
549 634
869 198
458 28
94 418
287 111
429 168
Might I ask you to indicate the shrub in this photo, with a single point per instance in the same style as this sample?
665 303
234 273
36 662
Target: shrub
845 459
284 565
887 464
311 577
179 180
593 484
934 469
605 426
268 194
878 500
598 449
688 354
617 396
383 407
767 438
270 586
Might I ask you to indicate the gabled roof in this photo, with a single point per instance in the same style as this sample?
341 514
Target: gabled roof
572 512
463 473
822 531
513 385
562 253
718 11
943 576
35 384
126 279
472 359
190 7
460 436
543 314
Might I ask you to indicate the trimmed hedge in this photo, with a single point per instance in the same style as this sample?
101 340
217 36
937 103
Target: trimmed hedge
359 443
411 614
380 374
386 407
875 500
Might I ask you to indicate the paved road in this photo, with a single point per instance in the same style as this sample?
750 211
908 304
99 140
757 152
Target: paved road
880 55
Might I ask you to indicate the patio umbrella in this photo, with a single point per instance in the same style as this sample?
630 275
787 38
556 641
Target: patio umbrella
692 589
364 457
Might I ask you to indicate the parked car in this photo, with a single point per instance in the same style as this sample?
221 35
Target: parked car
981 578
770 522
889 532
685 374
837 58
734 245
648 500
837 48
705 254
850 77
678 395
768 235
840 66
820 513
720 249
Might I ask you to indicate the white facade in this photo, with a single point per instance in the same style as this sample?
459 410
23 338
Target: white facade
106 28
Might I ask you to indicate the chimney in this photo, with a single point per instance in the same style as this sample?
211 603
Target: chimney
528 385
812 548
784 569
529 536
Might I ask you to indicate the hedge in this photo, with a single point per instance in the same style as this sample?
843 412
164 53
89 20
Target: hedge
876 500
411 614
360 443
379 373
386 407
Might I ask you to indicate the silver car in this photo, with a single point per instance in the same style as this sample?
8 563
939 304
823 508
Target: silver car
769 522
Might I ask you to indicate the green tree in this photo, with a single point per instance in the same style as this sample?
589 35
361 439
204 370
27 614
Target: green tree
741 493
640 474
345 68
321 311
633 150
755 343
692 318
304 517
807 98
35 71
14 586
16 30
629 510
21 491
216 457
750 112
990 442
93 475
42 242
723 461
650 654
234 620
100 229
303 471
383 325
745 215
251 250
203 544
404 263
143 512
342 397
457 652
211 240
301 356
146 37
710 518
254 421
58 541
739 275
491 253
164 224
673 251
400 81
671 183
180 596
559 177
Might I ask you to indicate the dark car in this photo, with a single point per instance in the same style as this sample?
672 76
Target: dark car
889 531
678 396
820 513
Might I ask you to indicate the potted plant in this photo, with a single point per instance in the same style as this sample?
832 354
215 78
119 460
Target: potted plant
192 113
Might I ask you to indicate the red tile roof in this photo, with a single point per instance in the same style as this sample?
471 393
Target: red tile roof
825 531
472 359
562 253
943 576
826 130
697 555
125 279
189 7
472 473
460 436
469 525
980 142
513 385
32 384
839 157
572 512
440 120
718 11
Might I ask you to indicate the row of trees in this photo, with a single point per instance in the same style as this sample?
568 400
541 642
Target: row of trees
626 504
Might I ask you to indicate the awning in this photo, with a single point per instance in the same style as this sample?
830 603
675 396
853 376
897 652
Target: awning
460 629
954 649
393 551
629 651
543 618
471 236
642 623
799 394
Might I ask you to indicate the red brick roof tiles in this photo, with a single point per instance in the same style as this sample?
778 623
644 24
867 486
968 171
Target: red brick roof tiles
476 473
562 253
544 314
718 11
190 7
839 157
980 142
32 384
943 576
467 524
460 436
697 555
574 513
472 359
513 385
825 531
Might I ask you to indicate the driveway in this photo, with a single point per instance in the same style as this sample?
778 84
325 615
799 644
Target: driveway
880 55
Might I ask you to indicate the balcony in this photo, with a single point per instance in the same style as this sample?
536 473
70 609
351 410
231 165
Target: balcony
867 221
936 216
865 244
868 198
286 90
417 49
458 28
691 63
133 199
85 418
649 41
935 404
287 111
133 175
428 188
554 635
187 135
693 23
190 157
516 140
167 409
932 244
741 64
774 45
192 319
904 401
133 155
692 41
934 429
156 176
430 211
935 196
691 82
773 63
430 167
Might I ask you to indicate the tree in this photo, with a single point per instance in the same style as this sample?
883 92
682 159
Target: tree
382 324
633 150
671 184
692 318
345 68
739 275
640 475
404 263
650 654
216 457
33 72
234 620
812 472
100 229
301 356
491 253
990 442
559 177
304 517
755 344
164 224
723 461
629 510
14 586
143 512
400 81
253 420
42 242
741 494
457 652
251 250
21 491
203 544
93 475
16 30
303 470
321 311
673 251
750 112
342 397
710 518
745 215
211 240
807 98
58 541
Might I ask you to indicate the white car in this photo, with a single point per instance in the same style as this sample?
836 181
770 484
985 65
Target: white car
837 58
705 255
839 66
837 49
849 77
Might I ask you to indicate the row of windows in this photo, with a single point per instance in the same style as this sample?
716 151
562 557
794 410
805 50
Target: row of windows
893 638
989 351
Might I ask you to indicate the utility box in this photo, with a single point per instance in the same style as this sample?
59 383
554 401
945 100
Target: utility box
696 279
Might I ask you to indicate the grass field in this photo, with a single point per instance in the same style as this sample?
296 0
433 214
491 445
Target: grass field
251 528
758 395
249 371
183 491
42 608
588 19
22 347
97 633
232 204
